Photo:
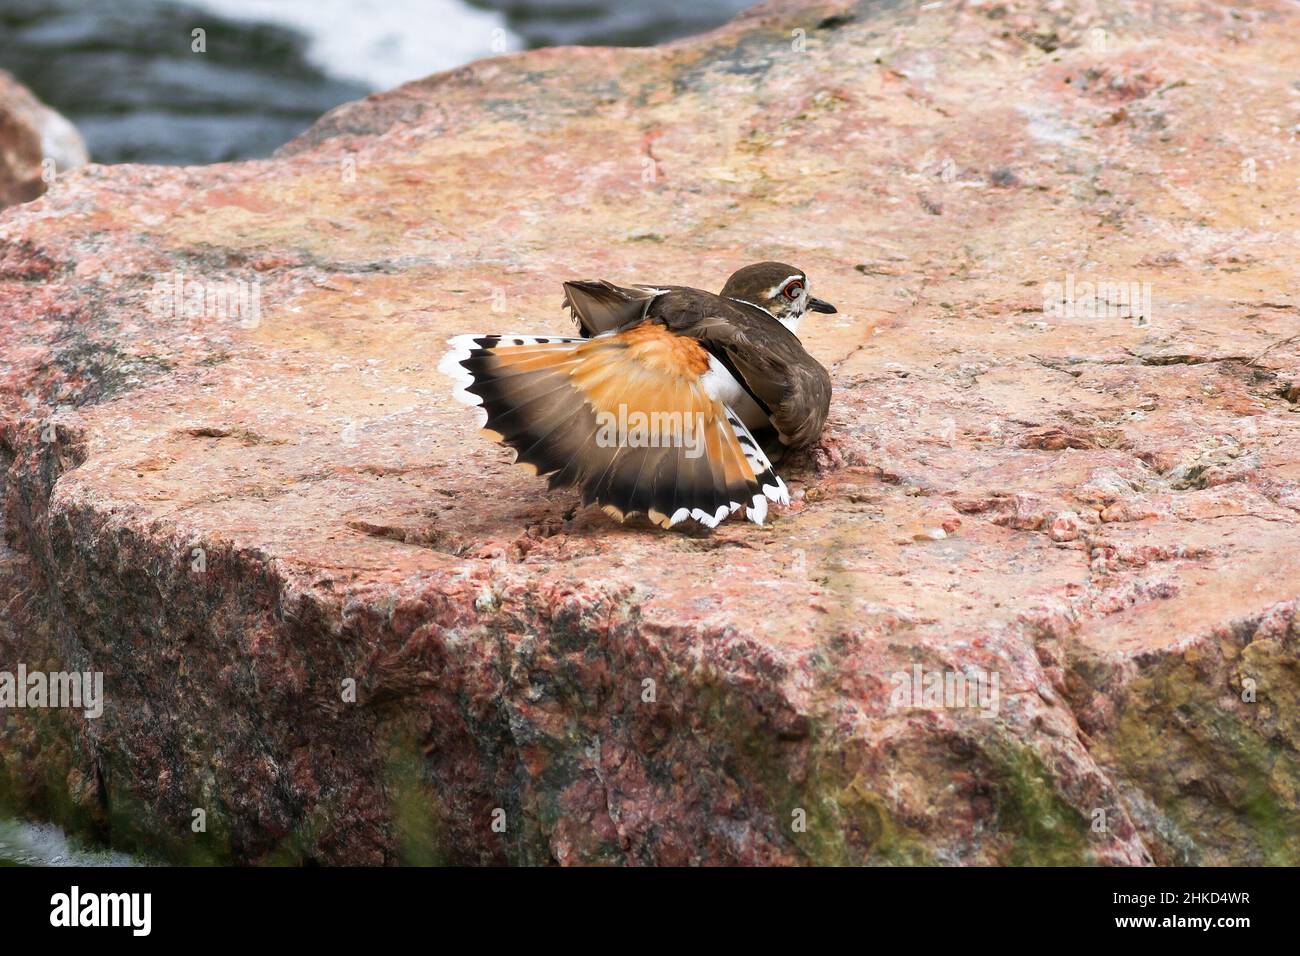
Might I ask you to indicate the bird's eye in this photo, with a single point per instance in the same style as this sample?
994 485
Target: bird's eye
793 289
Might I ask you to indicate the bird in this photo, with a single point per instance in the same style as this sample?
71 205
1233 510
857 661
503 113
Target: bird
670 402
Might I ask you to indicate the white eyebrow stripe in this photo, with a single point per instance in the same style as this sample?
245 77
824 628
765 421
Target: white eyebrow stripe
771 293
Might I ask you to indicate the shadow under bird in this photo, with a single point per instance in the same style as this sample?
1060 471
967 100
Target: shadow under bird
672 402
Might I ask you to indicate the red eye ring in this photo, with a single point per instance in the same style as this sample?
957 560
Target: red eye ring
793 289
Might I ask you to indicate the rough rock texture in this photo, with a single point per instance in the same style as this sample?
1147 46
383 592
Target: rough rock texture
231 516
30 134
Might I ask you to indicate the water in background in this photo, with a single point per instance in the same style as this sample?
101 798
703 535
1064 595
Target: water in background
123 70
43 844
612 22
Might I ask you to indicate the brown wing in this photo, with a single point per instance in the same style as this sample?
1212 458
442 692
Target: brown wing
765 357
797 393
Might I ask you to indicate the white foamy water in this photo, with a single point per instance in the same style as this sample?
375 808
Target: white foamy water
43 844
381 43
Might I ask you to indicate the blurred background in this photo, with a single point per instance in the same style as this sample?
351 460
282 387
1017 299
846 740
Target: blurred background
124 73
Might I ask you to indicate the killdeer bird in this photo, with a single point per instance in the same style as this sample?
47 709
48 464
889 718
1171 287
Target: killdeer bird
671 402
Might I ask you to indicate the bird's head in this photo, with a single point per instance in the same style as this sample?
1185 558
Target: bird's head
777 288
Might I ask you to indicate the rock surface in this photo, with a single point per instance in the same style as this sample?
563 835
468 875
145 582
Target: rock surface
30 134
235 515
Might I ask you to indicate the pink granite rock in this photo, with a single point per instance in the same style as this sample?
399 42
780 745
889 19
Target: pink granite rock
331 617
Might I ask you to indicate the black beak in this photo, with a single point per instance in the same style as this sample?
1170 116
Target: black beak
817 305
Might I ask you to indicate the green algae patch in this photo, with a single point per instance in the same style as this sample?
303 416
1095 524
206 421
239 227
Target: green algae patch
871 834
1226 777
1042 827
813 803
143 828
414 809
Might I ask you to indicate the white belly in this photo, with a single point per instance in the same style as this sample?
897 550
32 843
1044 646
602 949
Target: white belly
721 385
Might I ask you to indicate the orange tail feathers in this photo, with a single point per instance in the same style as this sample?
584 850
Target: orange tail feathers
626 417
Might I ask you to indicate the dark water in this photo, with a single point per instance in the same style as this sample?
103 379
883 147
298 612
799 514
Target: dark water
125 73
611 23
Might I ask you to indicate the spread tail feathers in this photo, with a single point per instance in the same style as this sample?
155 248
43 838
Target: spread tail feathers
626 417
